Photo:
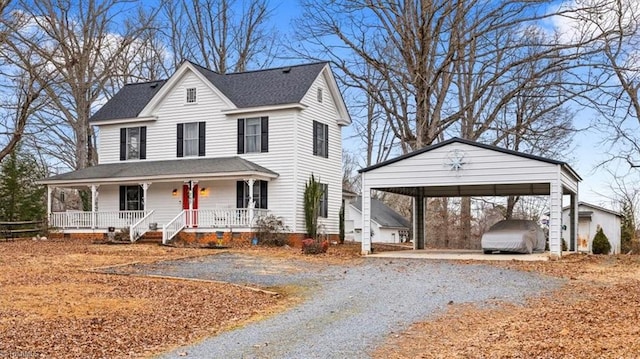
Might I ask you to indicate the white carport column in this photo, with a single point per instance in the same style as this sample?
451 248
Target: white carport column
573 222
555 219
366 216
94 192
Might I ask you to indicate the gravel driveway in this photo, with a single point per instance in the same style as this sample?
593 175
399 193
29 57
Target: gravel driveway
351 309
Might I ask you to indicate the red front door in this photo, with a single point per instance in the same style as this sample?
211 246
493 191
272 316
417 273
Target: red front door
192 216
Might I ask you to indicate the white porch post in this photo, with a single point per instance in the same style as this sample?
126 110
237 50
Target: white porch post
251 205
366 217
49 192
94 190
145 187
555 219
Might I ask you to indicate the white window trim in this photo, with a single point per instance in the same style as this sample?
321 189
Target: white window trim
185 139
128 141
258 135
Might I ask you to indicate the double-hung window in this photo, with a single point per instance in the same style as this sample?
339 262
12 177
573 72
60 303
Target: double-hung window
133 143
131 198
253 135
259 194
324 201
320 139
191 139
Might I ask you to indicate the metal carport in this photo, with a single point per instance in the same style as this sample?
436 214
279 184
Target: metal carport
459 168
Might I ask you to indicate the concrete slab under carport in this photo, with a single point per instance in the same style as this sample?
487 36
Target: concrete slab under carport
460 254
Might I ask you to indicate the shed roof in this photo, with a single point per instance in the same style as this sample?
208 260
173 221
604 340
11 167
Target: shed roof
593 206
382 214
143 170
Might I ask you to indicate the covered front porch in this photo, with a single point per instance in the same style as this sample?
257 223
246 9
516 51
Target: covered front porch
216 200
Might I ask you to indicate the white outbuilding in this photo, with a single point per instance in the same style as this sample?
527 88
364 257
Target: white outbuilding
590 217
462 168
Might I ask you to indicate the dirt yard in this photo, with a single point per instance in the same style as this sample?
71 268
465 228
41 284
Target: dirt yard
595 315
51 307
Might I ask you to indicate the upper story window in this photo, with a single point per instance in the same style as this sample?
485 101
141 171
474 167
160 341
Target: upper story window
253 135
324 201
319 94
191 95
133 143
320 139
191 139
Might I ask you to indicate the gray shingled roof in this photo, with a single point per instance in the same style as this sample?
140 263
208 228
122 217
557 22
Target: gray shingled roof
129 101
169 168
383 214
277 86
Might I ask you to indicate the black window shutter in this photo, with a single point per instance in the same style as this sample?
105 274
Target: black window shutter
143 142
240 194
240 135
123 198
123 144
315 138
326 141
263 194
264 140
325 195
180 151
201 138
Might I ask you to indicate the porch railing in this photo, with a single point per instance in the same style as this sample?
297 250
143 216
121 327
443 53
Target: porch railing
224 218
89 220
141 227
174 226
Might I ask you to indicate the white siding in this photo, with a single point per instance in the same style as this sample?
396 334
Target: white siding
609 222
482 166
326 170
380 235
290 151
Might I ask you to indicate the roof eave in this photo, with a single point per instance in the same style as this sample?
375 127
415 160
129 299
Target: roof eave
115 121
288 106
159 178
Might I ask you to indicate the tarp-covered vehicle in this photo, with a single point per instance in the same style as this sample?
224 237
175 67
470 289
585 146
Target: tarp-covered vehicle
514 235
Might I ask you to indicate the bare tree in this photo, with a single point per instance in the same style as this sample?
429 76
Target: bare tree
222 35
81 44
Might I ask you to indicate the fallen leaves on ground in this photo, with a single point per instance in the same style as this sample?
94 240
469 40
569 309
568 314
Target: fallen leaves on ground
51 307
595 315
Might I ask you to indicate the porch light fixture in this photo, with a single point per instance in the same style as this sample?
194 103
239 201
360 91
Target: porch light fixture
174 192
203 191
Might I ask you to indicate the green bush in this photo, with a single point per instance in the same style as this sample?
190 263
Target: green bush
601 243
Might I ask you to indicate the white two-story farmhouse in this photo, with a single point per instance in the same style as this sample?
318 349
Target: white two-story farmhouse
206 152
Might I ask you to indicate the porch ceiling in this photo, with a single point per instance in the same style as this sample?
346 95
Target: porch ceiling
159 171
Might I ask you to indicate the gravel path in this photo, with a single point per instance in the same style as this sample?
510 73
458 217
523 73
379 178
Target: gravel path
351 309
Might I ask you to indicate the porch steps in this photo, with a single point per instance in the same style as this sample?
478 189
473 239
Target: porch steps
151 237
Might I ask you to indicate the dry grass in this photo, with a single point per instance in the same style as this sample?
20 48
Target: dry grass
595 315
51 307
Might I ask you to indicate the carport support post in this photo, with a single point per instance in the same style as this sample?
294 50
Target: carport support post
573 225
419 219
366 217
555 219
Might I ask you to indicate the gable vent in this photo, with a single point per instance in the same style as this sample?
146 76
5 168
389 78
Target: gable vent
286 70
